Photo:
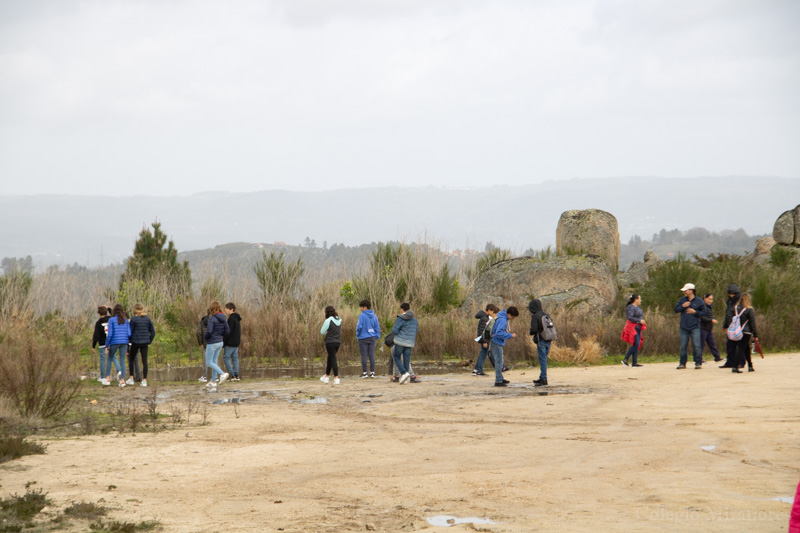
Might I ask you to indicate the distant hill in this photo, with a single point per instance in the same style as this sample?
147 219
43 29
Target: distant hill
67 229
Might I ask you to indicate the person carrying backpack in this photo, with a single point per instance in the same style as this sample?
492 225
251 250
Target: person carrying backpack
743 326
543 332
734 294
485 324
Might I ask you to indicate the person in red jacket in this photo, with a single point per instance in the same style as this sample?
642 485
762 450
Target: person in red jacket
794 517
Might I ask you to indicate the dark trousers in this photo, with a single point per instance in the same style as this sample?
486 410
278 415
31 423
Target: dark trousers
332 363
707 337
133 362
633 351
730 350
743 352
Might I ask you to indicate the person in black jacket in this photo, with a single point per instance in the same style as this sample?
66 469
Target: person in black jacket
542 346
484 338
231 341
706 325
99 338
202 325
730 346
142 335
747 318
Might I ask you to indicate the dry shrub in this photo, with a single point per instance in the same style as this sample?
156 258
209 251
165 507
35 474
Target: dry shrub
587 352
38 379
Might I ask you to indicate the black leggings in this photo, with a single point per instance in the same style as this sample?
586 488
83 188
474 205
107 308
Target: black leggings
332 363
133 364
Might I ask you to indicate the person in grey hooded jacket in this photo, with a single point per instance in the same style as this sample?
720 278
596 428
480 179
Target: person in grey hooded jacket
405 336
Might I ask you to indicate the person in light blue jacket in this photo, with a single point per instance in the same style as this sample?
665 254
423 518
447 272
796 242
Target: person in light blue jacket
119 335
405 336
368 331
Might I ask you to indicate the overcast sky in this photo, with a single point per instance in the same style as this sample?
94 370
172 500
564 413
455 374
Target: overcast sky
175 97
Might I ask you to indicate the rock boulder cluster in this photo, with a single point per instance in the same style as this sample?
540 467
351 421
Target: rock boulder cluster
787 228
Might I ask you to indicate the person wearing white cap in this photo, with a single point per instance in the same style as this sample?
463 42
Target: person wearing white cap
691 309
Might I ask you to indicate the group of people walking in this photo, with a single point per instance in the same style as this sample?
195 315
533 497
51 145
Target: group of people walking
220 332
696 325
115 336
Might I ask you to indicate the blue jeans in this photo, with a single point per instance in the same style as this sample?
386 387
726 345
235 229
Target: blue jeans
697 349
113 350
633 351
231 359
403 352
101 351
497 353
542 349
212 355
482 358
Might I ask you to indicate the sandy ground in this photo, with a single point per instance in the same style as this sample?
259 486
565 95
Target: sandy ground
606 449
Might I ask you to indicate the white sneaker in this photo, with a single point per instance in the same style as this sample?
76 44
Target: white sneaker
101 379
372 374
324 379
144 383
121 384
202 378
105 382
129 382
363 375
223 377
405 377
211 384
335 381
119 376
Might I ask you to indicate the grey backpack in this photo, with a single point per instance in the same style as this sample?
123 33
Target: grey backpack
548 332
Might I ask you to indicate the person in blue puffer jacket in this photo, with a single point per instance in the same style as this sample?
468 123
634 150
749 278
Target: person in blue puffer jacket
217 328
119 335
368 331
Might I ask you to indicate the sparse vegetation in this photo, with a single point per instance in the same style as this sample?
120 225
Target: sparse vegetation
14 447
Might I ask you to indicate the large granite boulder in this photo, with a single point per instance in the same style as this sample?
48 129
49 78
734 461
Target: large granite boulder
784 229
796 215
579 282
652 260
763 249
589 231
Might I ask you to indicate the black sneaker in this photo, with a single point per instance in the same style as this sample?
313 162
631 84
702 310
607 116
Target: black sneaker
637 364
681 367
506 381
501 384
540 383
478 373
625 362
698 366
415 379
363 375
751 369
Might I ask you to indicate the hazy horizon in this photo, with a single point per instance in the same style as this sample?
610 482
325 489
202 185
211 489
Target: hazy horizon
170 98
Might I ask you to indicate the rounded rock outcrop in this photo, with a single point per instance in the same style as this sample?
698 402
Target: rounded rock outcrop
589 231
784 229
580 282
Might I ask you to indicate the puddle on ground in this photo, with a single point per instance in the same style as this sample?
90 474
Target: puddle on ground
447 521
311 400
230 400
784 499
708 448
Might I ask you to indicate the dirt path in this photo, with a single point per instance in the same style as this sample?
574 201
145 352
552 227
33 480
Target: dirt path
608 448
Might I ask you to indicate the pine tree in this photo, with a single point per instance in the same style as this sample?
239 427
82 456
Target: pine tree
155 258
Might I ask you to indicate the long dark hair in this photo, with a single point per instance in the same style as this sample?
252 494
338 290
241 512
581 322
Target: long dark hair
330 311
120 314
632 298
